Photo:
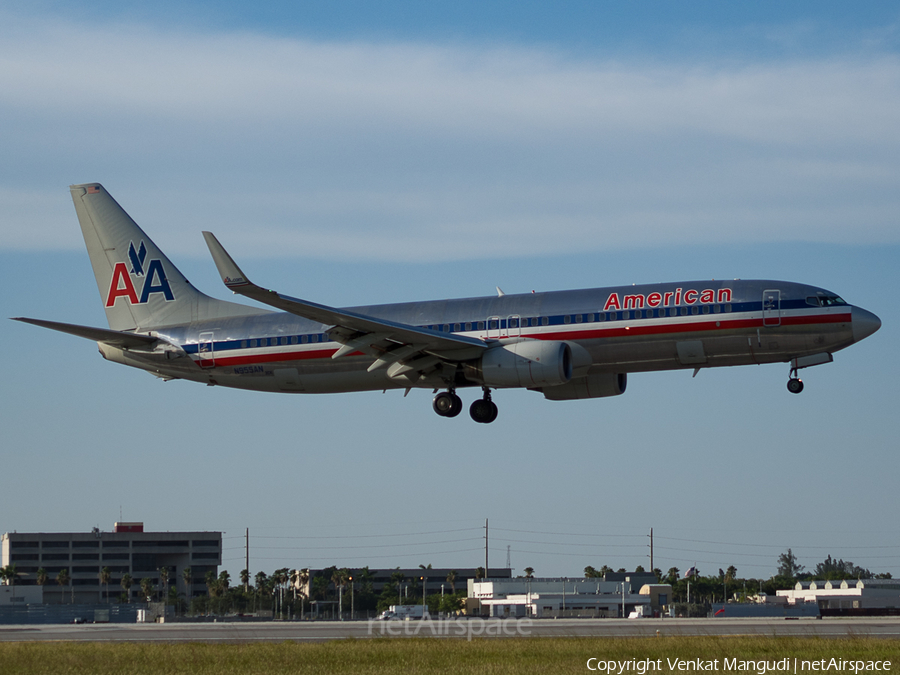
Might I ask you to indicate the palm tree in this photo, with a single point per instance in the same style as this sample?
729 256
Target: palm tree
303 579
63 579
245 580
398 578
188 585
147 588
105 577
529 572
164 580
125 583
451 579
42 577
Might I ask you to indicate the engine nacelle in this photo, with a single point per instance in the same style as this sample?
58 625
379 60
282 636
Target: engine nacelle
529 363
597 385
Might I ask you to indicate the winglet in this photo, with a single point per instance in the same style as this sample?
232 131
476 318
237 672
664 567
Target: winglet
231 274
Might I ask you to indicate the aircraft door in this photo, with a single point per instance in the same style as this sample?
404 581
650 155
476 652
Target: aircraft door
493 328
771 304
514 326
205 350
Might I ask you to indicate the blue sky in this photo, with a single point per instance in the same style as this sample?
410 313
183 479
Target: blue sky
361 152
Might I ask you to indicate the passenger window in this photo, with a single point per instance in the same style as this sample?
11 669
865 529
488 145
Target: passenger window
578 318
590 318
717 309
695 310
706 309
513 323
684 311
446 328
481 325
282 340
293 339
728 308
567 319
468 326
304 339
545 320
456 327
494 324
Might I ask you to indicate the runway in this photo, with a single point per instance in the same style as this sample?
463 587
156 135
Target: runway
319 631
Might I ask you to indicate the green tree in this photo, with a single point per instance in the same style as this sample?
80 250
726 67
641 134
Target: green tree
125 583
639 569
590 572
105 578
147 588
451 579
164 581
188 584
672 575
63 579
788 567
529 572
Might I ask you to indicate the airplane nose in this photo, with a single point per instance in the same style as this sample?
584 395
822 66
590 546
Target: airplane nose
864 323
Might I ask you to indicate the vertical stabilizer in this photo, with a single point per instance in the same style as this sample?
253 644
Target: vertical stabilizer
139 286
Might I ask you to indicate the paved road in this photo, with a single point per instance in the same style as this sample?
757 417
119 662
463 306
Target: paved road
274 631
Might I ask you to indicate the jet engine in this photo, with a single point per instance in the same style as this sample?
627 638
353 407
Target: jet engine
529 363
597 385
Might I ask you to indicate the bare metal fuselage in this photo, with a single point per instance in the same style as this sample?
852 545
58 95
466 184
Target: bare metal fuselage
762 322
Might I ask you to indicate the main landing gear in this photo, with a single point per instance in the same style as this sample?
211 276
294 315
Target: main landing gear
795 384
484 410
448 404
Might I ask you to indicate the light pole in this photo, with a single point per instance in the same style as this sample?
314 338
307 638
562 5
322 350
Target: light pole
351 599
424 604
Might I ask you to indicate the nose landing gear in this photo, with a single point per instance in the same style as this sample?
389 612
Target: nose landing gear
484 410
795 384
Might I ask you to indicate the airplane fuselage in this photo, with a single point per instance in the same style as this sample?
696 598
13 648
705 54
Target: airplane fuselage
695 324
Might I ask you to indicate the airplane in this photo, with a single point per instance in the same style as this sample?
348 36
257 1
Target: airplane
566 345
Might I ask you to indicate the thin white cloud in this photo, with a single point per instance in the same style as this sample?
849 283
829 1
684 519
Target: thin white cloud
411 151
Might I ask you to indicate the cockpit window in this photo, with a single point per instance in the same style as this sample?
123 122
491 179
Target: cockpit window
824 300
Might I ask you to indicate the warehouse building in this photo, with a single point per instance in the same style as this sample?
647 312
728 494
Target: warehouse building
845 594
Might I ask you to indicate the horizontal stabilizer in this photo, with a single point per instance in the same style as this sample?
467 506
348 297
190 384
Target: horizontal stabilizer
113 338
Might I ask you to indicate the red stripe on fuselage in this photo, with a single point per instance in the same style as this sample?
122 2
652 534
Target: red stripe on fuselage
587 334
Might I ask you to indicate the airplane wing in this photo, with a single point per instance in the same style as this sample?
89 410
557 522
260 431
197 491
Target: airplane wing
387 341
111 337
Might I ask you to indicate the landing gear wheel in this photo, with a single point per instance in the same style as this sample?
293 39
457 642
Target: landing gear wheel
447 404
484 410
795 385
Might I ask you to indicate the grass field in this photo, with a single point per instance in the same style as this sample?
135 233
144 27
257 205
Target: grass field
514 655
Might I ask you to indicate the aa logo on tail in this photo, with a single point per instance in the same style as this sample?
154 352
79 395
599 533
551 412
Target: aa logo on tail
122 284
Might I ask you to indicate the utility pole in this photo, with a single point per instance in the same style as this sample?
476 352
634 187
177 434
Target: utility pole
651 550
247 561
486 574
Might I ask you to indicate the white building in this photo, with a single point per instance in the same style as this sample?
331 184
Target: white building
548 597
846 593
